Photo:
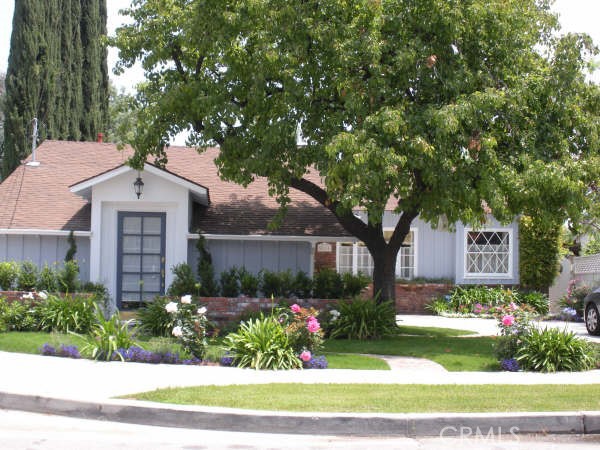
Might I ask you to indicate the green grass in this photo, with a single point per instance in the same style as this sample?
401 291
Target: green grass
371 398
456 354
355 362
410 330
32 341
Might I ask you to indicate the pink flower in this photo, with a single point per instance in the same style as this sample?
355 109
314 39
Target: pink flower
508 320
295 308
513 306
305 356
313 325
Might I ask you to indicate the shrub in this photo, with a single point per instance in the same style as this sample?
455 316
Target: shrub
437 305
552 350
538 301
74 314
302 327
592 247
3 313
514 323
47 279
107 337
68 277
27 278
21 315
328 284
286 284
205 269
303 285
354 284
248 283
270 283
183 282
189 325
9 272
262 344
364 319
154 319
540 246
229 281
99 292
464 299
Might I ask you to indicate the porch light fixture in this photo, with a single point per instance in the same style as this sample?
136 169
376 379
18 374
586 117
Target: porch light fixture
138 185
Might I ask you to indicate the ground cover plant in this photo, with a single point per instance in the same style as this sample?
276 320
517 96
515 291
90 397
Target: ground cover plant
372 398
483 301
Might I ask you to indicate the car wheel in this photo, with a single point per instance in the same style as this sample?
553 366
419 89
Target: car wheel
592 319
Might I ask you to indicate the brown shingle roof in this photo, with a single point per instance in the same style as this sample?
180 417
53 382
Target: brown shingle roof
39 197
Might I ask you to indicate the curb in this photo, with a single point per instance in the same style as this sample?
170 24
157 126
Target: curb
226 419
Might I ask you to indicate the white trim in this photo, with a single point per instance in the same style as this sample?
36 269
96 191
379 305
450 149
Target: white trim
471 275
84 187
271 237
34 232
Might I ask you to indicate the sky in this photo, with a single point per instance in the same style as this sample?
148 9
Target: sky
574 15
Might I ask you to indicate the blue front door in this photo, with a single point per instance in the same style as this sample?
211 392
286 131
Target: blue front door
141 257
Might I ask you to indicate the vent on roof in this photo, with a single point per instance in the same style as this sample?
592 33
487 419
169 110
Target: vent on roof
34 136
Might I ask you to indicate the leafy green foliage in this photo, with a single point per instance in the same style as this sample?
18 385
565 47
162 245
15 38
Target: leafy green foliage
354 284
184 282
364 319
68 277
154 318
71 313
205 269
70 255
552 350
537 300
27 278
475 117
262 344
437 305
575 296
47 279
9 272
303 285
20 315
248 283
270 283
107 336
592 247
327 283
230 284
485 300
540 248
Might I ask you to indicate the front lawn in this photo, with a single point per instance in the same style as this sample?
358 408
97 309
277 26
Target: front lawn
376 398
456 354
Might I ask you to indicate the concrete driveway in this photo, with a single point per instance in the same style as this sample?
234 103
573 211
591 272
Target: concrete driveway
487 327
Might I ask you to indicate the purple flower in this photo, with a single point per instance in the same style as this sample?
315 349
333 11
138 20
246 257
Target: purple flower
510 365
316 362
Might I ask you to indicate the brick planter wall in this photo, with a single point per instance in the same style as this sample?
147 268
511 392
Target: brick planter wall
412 298
223 309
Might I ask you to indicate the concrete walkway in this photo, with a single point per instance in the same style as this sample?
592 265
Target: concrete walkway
84 388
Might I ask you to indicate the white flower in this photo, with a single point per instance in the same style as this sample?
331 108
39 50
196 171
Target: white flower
177 332
28 296
171 307
187 299
202 310
43 295
334 313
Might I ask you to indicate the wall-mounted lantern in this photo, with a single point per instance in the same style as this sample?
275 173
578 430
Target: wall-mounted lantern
138 185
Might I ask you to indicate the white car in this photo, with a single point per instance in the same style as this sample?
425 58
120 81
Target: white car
591 308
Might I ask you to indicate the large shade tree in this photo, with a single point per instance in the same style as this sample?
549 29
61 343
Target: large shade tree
431 108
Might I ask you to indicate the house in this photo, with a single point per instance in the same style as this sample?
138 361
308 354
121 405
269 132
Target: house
130 243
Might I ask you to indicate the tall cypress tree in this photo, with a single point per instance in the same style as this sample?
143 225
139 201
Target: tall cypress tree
57 72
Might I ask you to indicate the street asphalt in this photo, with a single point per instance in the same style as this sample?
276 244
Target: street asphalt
88 389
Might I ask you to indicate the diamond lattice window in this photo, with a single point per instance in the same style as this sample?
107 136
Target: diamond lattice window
488 253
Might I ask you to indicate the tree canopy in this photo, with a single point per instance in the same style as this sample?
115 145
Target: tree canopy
57 73
432 108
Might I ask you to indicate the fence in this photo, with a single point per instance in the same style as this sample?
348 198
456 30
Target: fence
586 269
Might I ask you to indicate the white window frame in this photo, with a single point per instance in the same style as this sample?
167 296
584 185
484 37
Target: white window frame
509 273
357 244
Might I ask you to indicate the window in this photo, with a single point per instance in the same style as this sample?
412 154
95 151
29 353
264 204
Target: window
488 253
355 257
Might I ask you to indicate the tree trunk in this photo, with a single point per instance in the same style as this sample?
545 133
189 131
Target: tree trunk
384 274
